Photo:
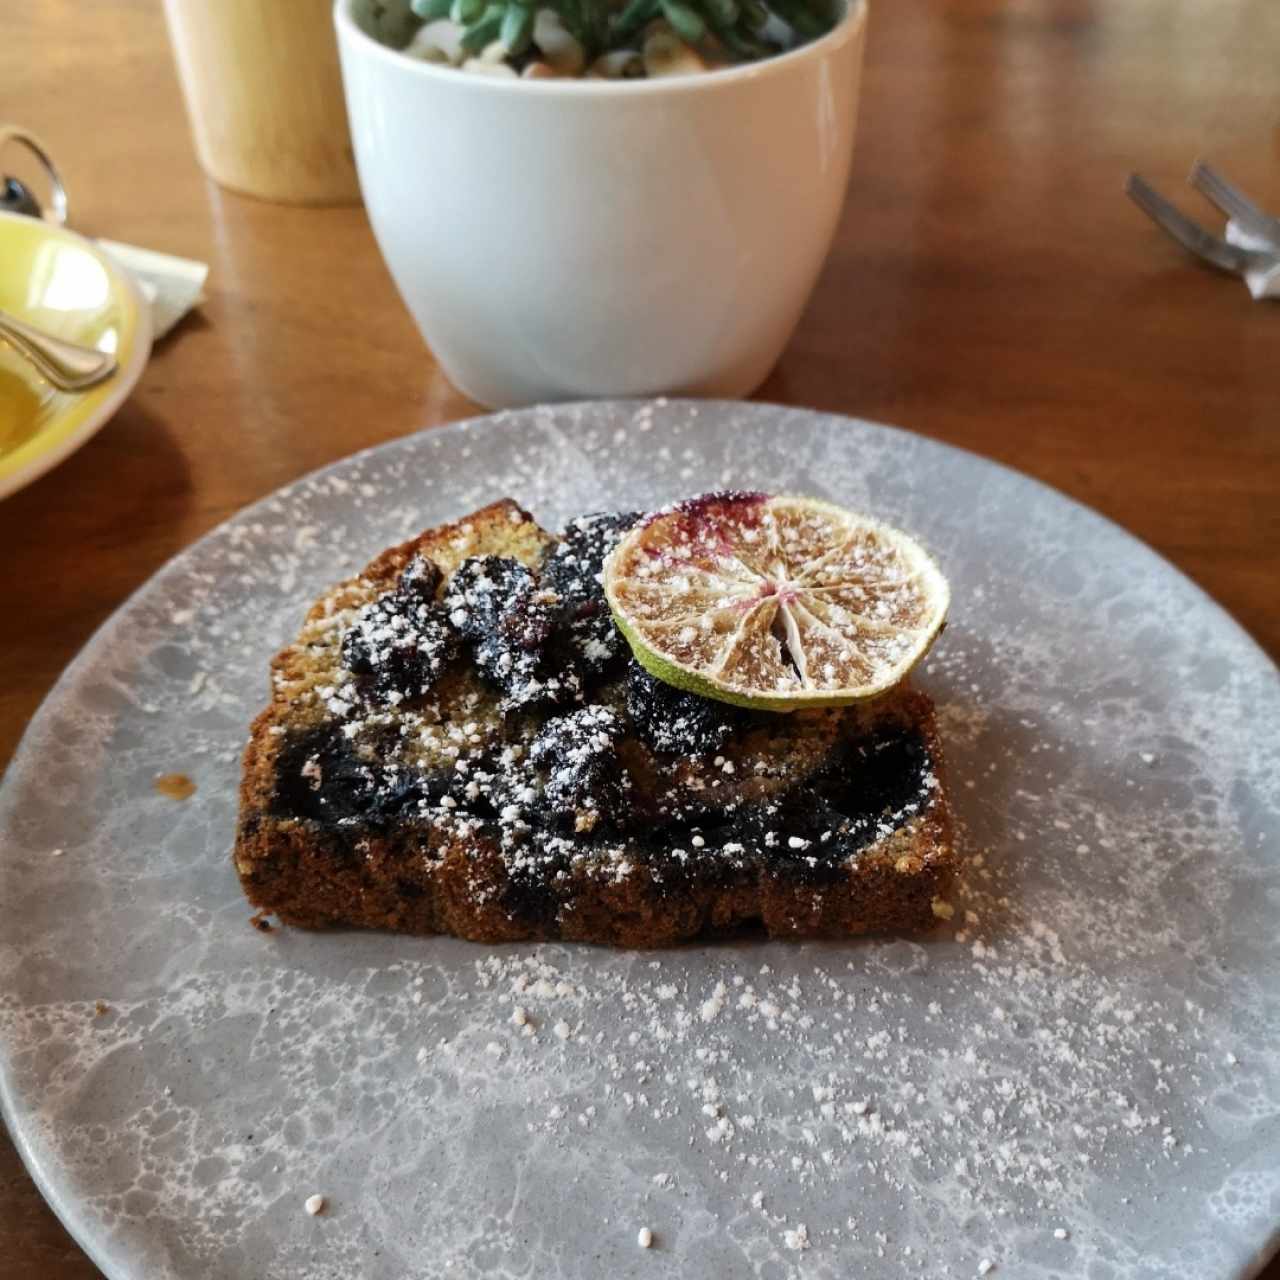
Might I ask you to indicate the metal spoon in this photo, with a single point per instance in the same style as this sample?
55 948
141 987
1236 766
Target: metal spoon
68 365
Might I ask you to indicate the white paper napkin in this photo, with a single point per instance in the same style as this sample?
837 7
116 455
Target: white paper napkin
172 286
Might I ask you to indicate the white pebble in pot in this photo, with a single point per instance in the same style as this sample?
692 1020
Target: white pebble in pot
439 41
559 48
621 64
479 67
665 54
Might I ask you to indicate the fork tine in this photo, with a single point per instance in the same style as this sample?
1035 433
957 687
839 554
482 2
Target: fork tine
1234 203
1192 237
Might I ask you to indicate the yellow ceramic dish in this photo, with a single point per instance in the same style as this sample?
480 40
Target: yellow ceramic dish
67 286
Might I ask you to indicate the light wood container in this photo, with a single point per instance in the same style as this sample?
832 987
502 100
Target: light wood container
264 96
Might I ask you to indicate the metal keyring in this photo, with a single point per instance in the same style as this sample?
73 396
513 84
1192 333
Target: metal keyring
57 211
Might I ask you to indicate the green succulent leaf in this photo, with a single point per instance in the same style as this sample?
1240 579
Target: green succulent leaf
517 28
685 21
745 45
720 13
465 12
484 30
631 19
798 17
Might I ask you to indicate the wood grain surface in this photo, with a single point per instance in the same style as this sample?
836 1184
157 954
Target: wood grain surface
989 286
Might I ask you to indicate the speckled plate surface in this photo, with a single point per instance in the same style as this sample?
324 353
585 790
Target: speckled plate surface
1077 1076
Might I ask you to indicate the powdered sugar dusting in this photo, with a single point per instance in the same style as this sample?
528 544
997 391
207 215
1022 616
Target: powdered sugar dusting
1074 1075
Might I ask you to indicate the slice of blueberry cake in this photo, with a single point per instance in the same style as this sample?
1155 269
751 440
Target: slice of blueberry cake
460 742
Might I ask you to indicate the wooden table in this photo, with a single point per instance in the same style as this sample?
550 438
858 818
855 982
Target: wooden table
990 287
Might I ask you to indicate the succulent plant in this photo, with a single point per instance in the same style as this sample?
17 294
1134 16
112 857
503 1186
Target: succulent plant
612 38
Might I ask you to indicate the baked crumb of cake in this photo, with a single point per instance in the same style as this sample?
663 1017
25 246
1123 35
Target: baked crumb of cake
176 786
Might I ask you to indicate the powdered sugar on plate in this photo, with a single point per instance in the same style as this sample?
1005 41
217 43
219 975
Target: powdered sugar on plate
1074 1073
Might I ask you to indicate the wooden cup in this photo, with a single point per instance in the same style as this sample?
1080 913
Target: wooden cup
264 96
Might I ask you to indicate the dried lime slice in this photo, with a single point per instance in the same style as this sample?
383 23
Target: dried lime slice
774 602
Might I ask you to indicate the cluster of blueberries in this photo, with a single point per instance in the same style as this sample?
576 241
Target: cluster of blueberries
541 641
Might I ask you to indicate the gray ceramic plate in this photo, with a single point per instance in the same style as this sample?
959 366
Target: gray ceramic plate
1076 1077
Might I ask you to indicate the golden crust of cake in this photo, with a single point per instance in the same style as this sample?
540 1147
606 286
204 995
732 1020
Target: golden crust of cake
459 810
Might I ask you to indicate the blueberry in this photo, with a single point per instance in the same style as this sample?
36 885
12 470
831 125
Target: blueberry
572 570
401 643
421 575
882 777
494 596
499 606
527 679
583 779
319 775
595 641
674 722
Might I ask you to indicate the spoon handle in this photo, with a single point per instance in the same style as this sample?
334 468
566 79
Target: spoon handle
68 365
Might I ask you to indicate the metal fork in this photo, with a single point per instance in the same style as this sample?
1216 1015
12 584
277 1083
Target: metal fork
1192 236
1235 204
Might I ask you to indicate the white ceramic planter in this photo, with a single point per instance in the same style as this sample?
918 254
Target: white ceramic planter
557 239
